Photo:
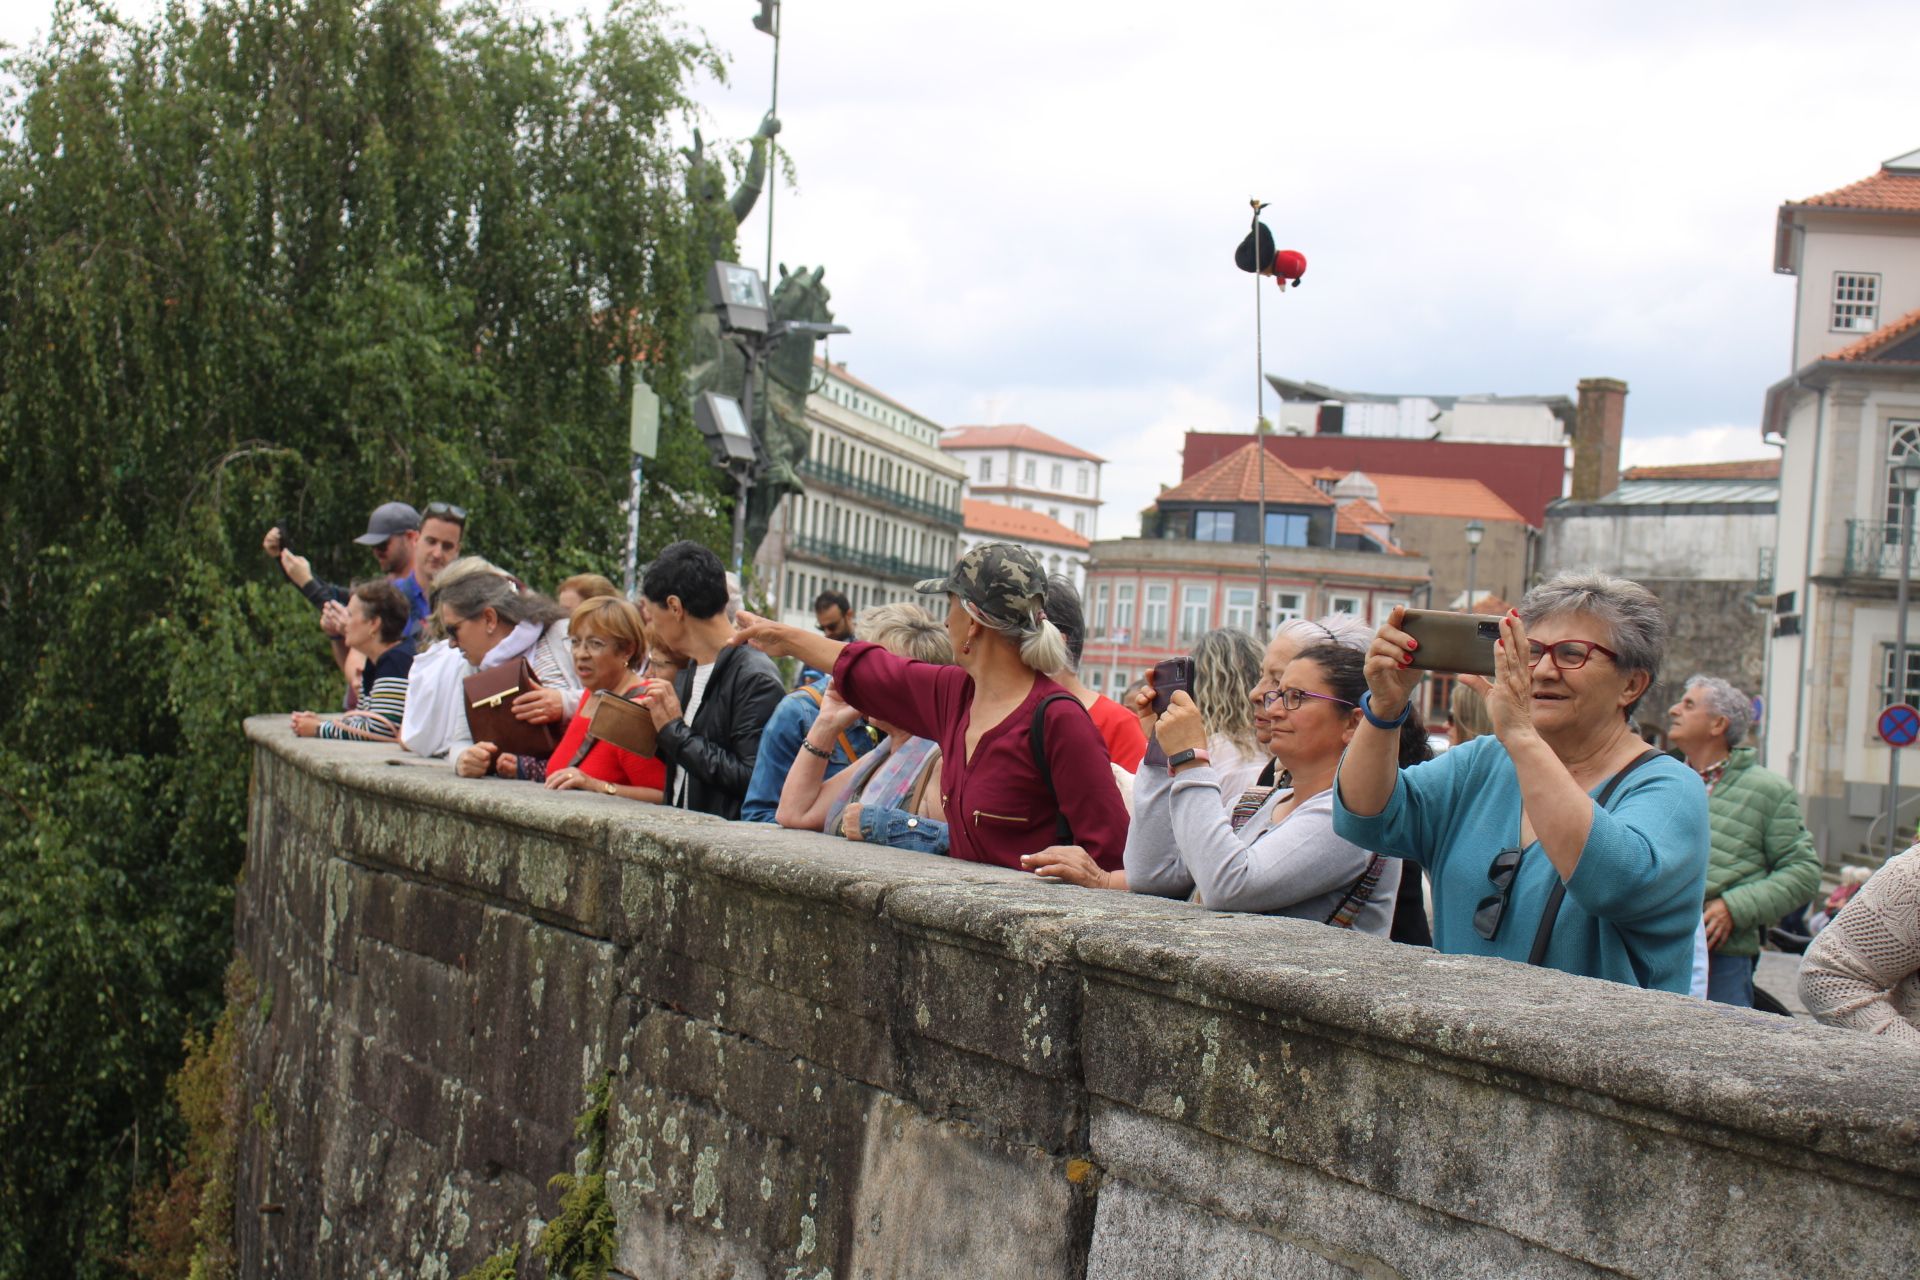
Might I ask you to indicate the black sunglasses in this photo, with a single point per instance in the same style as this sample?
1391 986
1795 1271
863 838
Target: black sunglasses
1487 916
446 511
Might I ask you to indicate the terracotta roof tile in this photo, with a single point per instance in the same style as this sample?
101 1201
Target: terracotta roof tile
1864 349
1356 514
1441 496
1018 525
1014 436
1751 469
1883 192
1236 478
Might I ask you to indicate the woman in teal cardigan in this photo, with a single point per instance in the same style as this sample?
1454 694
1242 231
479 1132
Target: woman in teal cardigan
1510 827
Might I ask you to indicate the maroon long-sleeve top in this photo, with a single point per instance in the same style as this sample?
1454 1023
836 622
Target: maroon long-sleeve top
998 806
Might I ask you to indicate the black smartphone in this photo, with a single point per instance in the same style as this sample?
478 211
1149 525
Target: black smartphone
1169 676
1455 642
286 539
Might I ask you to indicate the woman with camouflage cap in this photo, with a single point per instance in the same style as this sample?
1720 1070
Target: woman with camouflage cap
1022 767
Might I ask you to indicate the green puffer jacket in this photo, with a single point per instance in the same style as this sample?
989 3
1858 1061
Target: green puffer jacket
1763 862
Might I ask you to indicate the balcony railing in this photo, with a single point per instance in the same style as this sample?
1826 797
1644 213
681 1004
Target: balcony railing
847 482
838 553
1873 550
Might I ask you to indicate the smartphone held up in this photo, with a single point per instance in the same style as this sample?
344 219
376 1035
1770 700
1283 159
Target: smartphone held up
1169 677
1458 643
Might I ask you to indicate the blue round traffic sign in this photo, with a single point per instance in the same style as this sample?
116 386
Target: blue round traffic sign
1900 725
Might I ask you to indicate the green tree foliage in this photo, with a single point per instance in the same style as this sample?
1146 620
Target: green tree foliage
276 261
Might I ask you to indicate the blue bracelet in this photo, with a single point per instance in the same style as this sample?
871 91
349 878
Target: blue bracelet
1366 709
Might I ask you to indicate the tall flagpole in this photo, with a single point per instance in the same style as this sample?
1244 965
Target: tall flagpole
1259 416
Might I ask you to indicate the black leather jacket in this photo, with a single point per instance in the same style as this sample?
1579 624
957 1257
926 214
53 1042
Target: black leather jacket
718 749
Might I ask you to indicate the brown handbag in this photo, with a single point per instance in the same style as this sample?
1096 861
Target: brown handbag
490 717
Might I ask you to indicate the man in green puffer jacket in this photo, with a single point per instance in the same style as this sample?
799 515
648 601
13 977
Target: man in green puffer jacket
1763 863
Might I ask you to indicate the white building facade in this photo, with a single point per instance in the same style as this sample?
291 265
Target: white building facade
880 508
1845 418
1024 467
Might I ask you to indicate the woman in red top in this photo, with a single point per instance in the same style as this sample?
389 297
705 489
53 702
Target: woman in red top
608 640
981 711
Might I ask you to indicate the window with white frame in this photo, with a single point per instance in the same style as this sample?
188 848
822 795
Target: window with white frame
1096 680
1196 611
1123 612
1909 692
1086 480
986 468
1856 301
1239 610
1100 610
1080 522
1059 477
1355 605
1028 472
1154 611
1903 445
1053 514
1288 604
1384 605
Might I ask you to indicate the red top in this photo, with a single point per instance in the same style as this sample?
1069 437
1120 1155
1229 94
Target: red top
606 762
1121 728
998 806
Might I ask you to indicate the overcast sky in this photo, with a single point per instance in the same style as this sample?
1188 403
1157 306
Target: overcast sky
1027 210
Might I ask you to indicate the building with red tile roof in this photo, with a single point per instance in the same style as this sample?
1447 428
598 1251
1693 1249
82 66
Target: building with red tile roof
1059 549
1751 469
1449 496
1022 466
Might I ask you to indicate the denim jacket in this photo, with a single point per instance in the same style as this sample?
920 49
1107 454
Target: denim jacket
900 829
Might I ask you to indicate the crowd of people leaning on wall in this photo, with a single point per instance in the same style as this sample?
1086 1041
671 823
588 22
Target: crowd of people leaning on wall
1295 779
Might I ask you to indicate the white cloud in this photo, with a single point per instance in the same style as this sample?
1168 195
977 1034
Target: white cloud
1702 444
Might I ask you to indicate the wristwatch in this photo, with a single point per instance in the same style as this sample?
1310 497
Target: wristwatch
609 788
1188 756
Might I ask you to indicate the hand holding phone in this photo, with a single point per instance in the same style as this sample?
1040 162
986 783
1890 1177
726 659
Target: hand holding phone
1169 677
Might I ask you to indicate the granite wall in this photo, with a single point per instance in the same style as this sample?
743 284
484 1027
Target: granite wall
836 1061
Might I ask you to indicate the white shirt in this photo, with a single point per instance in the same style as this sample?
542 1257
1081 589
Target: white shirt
436 707
701 674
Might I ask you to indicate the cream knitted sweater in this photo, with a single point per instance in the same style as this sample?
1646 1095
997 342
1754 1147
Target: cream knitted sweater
1863 971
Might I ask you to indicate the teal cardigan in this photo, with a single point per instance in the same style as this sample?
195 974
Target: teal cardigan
1633 903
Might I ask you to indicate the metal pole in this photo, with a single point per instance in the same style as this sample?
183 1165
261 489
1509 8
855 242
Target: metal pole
1899 664
1473 560
633 528
743 480
1259 416
773 148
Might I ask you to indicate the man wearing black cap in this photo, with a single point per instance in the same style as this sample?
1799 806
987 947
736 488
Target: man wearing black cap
392 531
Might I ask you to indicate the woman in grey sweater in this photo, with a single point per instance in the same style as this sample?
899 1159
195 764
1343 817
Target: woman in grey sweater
1275 854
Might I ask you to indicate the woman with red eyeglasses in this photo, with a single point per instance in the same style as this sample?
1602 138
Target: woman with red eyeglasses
1561 838
1276 853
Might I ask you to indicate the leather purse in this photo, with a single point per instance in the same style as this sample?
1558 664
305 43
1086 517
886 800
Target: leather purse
490 717
621 721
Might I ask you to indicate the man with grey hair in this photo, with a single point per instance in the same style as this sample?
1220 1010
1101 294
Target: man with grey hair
1763 863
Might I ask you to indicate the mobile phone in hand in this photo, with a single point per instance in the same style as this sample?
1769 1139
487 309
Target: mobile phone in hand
1169 676
1452 642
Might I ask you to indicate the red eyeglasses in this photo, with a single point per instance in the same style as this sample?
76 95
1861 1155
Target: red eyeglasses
1568 655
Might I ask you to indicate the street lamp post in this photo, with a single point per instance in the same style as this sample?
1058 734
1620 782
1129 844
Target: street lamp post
739 297
1906 474
1475 532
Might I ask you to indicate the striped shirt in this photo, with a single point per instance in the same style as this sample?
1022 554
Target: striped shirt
383 700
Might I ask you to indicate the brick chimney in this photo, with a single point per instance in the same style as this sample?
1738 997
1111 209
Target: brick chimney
1597 423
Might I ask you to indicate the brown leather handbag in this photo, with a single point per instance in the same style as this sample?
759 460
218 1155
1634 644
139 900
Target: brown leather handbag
490 717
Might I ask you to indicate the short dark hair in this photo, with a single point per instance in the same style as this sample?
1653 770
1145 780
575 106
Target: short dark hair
386 606
690 571
1346 671
1064 612
833 598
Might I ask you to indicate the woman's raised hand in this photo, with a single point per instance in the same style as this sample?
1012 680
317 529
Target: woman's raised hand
774 639
1391 678
835 713
1181 726
1509 694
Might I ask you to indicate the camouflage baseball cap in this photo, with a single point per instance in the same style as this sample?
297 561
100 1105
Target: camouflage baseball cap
1005 582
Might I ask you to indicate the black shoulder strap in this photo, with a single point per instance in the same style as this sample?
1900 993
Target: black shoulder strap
1543 937
1037 741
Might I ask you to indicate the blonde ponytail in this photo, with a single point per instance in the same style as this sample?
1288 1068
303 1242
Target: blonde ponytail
1045 649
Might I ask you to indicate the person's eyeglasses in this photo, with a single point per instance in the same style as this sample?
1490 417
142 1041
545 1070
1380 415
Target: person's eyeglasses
1493 907
453 628
1294 699
595 645
1568 655
445 511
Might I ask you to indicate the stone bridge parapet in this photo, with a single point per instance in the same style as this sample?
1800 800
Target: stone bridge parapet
836 1061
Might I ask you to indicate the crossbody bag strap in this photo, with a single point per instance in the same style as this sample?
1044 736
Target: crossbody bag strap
1543 937
1358 894
1037 741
